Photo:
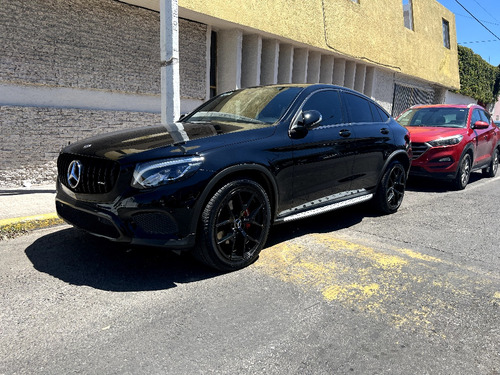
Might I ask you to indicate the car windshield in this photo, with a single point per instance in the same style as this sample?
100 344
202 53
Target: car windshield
448 117
259 105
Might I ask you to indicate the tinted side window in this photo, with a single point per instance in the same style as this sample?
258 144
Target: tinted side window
328 104
484 117
359 108
475 117
382 113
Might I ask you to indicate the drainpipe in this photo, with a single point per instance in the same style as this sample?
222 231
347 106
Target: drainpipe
169 54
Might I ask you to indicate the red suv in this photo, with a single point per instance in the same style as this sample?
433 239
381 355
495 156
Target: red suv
451 141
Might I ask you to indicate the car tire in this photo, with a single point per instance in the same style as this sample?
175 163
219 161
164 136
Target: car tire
491 171
234 226
463 174
391 189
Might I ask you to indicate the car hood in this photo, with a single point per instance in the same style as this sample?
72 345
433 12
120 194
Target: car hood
422 134
168 140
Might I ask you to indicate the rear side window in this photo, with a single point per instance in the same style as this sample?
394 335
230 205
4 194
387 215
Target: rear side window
328 104
358 108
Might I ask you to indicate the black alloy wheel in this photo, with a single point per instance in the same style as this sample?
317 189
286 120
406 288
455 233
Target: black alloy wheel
492 169
391 190
463 173
234 226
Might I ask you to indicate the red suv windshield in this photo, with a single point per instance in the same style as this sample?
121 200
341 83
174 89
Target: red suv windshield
448 117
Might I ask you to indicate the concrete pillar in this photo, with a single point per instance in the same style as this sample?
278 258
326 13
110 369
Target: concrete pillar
339 72
350 73
229 57
369 81
251 60
313 67
359 80
169 56
270 61
300 60
285 64
326 73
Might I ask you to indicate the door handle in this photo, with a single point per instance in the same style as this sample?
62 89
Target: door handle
344 133
384 131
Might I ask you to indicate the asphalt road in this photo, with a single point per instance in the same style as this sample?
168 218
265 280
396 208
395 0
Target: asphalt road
349 292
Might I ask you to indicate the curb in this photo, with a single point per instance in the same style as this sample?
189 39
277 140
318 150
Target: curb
10 228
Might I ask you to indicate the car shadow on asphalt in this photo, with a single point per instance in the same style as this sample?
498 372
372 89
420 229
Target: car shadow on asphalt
82 259
431 185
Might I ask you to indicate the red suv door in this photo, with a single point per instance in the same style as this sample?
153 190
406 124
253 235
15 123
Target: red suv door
485 138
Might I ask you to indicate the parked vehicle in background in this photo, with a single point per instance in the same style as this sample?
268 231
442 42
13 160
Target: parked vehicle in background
242 161
497 123
451 141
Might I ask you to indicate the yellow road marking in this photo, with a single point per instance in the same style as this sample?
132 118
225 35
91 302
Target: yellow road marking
401 285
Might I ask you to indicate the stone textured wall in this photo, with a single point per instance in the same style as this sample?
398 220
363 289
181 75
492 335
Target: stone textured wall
84 44
97 44
32 138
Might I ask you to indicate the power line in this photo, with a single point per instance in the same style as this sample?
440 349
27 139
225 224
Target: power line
491 32
479 41
489 13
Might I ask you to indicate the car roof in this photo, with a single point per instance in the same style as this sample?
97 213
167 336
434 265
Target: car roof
474 105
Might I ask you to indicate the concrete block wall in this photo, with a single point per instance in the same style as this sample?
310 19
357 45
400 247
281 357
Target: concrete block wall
87 46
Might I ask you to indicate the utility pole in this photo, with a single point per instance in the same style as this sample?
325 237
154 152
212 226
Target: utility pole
169 55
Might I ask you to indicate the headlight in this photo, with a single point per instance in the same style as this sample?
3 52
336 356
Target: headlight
448 141
161 172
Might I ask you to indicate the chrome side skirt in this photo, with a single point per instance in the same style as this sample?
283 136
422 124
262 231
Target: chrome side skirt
287 216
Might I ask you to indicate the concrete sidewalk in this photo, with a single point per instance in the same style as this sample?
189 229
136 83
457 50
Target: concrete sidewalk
25 208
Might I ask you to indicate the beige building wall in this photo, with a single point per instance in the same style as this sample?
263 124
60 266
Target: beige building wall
372 31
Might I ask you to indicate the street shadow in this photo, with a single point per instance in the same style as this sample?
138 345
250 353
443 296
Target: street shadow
82 259
432 185
78 258
9 192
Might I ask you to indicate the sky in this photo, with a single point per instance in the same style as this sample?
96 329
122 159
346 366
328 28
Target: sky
470 33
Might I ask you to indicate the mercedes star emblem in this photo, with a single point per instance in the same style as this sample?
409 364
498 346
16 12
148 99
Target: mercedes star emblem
73 175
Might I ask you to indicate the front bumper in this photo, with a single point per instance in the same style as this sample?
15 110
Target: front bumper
143 219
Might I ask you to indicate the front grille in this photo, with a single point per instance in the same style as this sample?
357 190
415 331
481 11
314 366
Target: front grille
86 221
97 175
418 149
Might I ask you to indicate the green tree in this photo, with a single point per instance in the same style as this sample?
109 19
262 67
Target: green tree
478 79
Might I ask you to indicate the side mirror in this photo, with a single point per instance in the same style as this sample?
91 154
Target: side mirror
310 119
480 125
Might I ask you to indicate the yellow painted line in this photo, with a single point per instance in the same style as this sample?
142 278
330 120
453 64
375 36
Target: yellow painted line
5 222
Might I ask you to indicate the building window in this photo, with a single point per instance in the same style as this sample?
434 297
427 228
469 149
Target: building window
213 64
446 33
408 14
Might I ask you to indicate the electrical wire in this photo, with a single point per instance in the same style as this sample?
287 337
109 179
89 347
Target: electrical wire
482 24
